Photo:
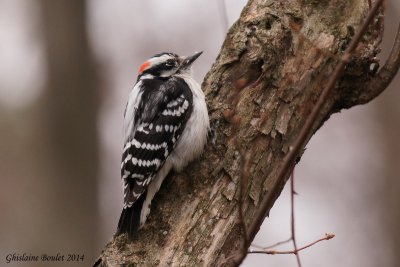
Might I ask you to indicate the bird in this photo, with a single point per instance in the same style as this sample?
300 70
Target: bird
165 127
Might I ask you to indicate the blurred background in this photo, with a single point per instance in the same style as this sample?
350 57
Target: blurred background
66 69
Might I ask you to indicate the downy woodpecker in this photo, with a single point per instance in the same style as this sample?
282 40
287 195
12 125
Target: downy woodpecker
165 127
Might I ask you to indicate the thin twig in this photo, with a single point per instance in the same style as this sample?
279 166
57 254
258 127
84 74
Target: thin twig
273 245
296 251
292 222
224 15
292 238
385 75
393 62
292 226
307 129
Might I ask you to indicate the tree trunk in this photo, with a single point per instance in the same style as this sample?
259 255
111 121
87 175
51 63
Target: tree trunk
271 69
69 129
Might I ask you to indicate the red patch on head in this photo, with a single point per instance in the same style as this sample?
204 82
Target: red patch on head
144 66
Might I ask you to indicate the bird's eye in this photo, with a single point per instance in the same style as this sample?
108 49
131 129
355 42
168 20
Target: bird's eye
169 63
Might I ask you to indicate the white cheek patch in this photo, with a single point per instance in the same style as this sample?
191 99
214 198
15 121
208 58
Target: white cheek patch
168 73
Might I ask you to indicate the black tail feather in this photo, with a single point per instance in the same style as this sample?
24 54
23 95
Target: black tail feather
129 221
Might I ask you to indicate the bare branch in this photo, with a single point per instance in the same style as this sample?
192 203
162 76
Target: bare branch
384 76
296 251
292 219
273 245
305 132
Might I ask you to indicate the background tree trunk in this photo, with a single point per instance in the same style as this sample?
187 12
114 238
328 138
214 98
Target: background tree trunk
271 69
49 145
69 115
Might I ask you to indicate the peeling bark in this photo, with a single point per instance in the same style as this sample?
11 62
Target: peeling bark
271 69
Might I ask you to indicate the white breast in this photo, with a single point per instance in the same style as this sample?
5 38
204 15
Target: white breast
194 136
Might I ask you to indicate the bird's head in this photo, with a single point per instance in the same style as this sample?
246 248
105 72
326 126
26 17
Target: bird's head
166 65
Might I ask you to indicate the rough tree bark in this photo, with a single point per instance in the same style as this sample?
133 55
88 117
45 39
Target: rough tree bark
271 69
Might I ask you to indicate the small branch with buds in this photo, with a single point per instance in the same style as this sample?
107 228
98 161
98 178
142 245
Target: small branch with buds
295 251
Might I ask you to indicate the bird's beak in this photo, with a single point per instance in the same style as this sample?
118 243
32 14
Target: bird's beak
187 61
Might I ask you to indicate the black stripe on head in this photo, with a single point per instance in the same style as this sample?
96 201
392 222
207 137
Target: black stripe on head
166 53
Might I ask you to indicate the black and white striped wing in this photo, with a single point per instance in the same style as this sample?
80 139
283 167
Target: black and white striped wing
155 136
